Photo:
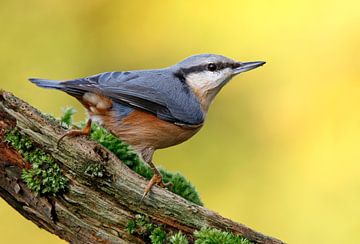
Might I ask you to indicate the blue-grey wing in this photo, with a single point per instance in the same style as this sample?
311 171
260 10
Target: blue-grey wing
155 91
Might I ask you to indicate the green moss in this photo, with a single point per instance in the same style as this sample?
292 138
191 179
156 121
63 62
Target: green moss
214 236
66 118
158 236
21 143
180 185
95 170
120 149
45 176
178 238
140 225
131 226
123 151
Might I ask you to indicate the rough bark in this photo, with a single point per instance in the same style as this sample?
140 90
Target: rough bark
92 210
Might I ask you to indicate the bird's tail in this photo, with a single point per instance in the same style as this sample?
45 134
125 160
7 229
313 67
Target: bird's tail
52 84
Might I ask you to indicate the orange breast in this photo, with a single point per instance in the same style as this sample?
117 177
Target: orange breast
141 130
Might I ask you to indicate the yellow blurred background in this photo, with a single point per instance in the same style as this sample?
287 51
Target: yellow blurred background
280 150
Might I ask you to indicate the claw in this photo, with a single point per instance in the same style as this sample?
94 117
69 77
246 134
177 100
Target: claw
155 180
85 131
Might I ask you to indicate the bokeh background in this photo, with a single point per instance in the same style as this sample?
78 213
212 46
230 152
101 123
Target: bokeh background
280 150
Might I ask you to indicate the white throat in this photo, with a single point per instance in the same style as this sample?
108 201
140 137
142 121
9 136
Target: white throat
207 84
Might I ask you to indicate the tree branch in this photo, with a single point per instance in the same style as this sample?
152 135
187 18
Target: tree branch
93 209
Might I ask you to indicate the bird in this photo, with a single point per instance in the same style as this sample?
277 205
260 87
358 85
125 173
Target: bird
152 109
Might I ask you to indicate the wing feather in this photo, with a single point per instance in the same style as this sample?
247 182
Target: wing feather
155 91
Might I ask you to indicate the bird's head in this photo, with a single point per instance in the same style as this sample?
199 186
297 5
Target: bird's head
206 74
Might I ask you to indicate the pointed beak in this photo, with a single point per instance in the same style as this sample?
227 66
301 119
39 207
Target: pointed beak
242 67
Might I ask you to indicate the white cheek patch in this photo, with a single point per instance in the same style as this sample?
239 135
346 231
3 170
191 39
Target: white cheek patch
207 84
203 81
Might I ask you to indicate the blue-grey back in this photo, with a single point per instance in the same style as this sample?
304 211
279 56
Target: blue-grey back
159 92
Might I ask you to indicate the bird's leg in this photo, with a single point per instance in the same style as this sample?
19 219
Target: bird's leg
156 178
72 133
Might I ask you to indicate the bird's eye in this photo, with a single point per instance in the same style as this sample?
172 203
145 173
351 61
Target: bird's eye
211 67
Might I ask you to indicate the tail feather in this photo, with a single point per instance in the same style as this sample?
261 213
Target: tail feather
47 83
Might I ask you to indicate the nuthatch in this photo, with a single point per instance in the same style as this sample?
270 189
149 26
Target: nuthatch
153 109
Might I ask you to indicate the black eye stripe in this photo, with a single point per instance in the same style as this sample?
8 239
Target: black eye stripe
203 67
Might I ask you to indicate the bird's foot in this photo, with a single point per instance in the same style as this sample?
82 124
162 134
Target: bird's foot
155 180
73 133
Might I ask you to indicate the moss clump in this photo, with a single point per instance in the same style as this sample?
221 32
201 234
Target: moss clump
140 225
214 236
95 170
158 236
66 119
44 177
131 226
178 238
123 151
180 185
